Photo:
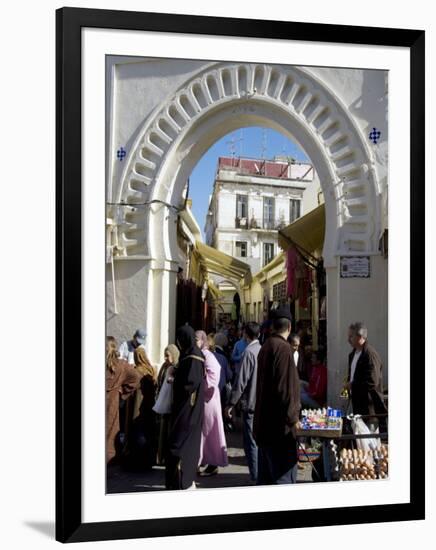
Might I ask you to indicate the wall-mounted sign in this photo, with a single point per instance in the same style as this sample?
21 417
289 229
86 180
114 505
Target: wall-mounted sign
355 266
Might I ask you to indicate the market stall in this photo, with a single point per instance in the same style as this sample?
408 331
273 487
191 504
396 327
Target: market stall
342 448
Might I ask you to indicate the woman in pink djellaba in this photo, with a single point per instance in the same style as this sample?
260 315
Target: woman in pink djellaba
213 450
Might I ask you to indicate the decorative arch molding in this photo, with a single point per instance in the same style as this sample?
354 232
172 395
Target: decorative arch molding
344 162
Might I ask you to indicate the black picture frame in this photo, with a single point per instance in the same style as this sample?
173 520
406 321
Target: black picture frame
69 22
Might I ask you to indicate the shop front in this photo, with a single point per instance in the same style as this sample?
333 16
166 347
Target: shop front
302 242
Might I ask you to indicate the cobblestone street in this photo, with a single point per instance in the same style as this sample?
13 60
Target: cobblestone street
234 475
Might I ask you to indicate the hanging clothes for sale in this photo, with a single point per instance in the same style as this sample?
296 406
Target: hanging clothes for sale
323 309
304 283
291 264
300 275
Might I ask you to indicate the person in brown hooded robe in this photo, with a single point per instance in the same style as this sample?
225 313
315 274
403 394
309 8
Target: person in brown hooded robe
121 381
187 414
141 434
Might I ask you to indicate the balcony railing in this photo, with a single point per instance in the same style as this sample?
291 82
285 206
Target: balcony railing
256 223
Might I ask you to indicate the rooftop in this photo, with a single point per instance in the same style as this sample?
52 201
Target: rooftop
281 168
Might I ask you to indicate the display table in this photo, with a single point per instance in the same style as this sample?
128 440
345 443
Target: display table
330 440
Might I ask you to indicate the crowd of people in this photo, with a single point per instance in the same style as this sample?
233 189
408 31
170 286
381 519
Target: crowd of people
179 416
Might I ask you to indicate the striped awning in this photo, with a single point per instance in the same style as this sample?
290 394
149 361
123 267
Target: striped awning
216 262
306 232
214 290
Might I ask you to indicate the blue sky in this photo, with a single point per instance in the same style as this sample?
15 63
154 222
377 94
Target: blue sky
256 142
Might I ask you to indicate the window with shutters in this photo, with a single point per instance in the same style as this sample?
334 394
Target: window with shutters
279 292
268 252
241 206
268 212
241 249
294 210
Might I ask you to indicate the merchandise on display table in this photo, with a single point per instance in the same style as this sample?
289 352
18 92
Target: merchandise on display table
357 464
309 453
326 422
359 428
333 460
354 452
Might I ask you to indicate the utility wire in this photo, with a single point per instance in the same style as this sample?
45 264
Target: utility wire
154 201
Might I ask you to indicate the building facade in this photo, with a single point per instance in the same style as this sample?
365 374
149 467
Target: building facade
251 200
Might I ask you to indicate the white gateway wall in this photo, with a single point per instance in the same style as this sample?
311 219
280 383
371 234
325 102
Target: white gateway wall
131 277
329 112
351 300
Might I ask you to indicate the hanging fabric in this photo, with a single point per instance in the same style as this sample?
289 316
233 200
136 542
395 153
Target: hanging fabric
291 264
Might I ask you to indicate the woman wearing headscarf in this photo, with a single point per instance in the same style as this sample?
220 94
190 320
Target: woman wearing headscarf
187 414
121 381
164 399
213 440
141 420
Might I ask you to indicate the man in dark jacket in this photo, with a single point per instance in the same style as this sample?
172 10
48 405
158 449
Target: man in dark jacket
365 382
277 405
187 413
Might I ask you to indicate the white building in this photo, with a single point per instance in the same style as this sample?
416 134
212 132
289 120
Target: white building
251 200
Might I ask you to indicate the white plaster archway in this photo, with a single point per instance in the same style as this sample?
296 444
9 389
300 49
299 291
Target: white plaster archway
219 99
225 97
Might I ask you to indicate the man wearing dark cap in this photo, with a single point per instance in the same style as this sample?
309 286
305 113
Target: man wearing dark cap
277 405
127 348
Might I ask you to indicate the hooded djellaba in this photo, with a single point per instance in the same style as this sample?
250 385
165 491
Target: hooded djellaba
141 432
187 413
121 382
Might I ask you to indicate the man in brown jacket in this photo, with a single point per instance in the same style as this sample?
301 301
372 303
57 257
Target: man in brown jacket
277 405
